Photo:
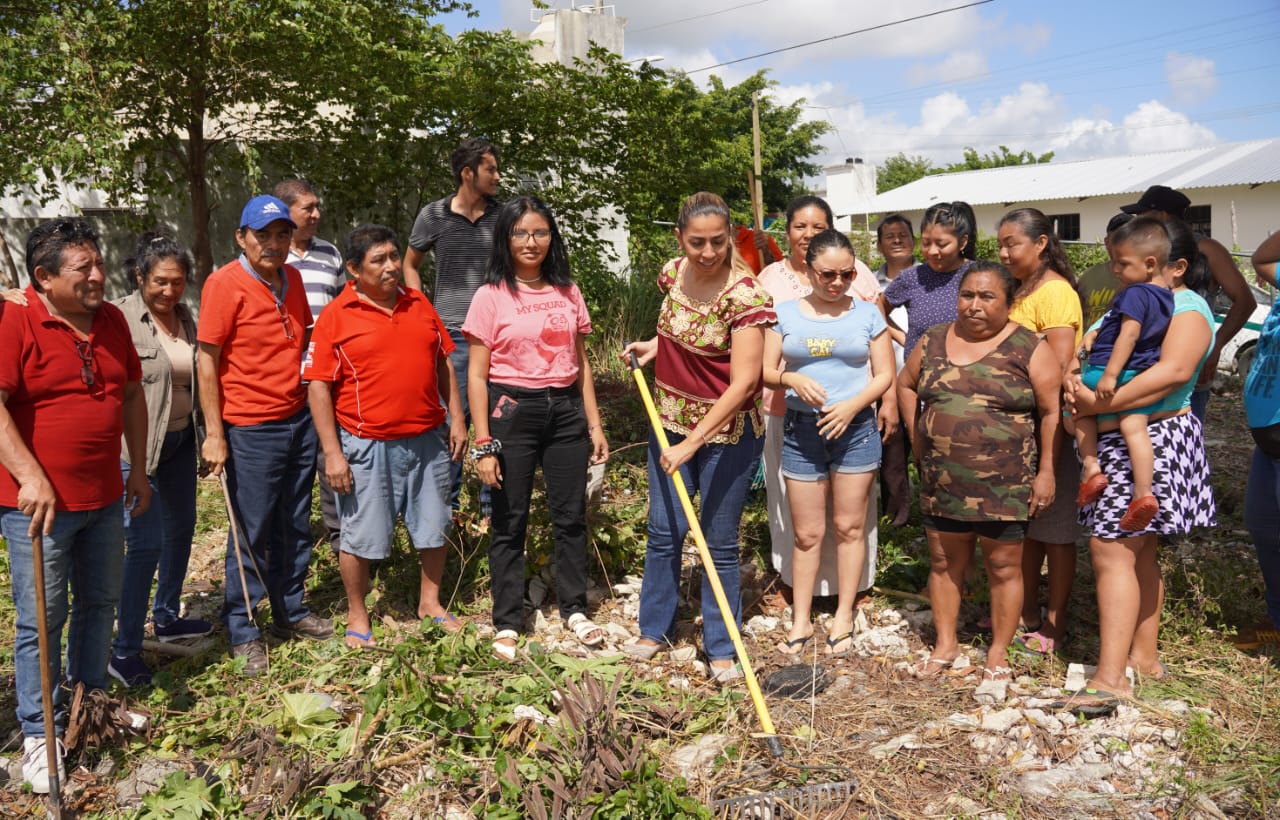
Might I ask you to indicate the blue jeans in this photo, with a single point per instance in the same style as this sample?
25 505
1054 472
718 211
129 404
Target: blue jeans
160 536
86 552
722 473
1262 518
1200 405
270 467
460 358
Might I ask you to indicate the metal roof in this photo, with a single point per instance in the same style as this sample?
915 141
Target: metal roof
1237 163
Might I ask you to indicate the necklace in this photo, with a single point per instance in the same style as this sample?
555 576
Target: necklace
537 278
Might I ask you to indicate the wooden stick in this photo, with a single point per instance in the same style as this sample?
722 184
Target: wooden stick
895 593
757 186
46 678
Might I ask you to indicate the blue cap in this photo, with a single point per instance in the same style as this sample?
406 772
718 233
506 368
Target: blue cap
262 210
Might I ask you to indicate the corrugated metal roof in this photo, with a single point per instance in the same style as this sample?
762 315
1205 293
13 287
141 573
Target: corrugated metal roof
1237 163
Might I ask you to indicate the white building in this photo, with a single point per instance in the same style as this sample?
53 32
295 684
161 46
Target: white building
1234 190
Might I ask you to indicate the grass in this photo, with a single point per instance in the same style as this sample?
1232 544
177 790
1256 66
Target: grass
429 721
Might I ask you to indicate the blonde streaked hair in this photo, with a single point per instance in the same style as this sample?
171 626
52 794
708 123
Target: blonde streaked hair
705 203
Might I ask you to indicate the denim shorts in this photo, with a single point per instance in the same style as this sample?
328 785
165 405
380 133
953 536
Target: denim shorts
404 477
807 456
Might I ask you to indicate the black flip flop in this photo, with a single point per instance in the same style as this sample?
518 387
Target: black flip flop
1088 703
832 643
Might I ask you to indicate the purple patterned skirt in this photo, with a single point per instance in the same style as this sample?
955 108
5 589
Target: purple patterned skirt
1181 481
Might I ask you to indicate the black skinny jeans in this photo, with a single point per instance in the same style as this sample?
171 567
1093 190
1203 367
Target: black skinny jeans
546 426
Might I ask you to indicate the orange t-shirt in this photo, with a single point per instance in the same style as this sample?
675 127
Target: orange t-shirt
260 370
383 368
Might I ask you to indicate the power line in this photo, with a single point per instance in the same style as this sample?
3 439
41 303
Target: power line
841 36
697 16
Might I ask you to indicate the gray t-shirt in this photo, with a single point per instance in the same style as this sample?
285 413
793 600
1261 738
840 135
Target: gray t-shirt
461 248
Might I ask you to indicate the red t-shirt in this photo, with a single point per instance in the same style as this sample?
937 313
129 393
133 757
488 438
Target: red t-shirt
532 335
259 372
744 239
383 368
73 430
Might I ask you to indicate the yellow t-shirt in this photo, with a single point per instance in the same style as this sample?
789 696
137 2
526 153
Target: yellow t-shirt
1053 304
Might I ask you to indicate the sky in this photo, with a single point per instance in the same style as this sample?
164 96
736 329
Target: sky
1081 78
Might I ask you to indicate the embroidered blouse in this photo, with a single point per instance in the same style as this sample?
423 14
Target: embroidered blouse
692 368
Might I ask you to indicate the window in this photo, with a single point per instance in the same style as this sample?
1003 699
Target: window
1200 218
1067 225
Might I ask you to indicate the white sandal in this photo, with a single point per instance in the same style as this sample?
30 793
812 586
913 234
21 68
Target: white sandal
500 650
583 627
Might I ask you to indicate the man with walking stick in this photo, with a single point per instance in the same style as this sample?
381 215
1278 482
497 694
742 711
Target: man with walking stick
70 384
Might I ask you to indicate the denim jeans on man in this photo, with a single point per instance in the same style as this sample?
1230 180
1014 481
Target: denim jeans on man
722 474
85 551
546 426
460 358
1262 518
159 537
270 468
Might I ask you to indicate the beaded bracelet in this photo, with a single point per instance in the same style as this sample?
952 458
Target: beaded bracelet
490 448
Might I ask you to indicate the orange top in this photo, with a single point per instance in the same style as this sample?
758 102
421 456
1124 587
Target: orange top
745 240
260 369
383 368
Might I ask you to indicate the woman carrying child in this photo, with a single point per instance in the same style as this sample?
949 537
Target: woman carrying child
1126 343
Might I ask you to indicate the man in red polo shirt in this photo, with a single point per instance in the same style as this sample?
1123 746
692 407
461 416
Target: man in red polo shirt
377 364
70 385
252 333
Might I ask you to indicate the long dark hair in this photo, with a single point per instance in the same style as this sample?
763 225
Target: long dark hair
1183 245
1034 224
502 267
154 248
957 217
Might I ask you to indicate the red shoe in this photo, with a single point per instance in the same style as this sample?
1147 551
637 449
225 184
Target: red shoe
1140 513
1091 489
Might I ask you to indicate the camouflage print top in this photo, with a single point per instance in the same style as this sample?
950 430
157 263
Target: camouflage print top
977 430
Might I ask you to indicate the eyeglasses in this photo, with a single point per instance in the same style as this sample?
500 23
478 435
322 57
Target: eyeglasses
85 350
284 319
830 275
524 236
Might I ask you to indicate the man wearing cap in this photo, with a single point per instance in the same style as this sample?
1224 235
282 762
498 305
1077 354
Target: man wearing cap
252 335
70 384
1164 202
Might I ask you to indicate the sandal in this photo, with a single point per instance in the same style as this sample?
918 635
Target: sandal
833 642
1140 513
1038 643
727 674
642 651
794 648
1091 489
503 651
1088 702
588 633
920 671
365 639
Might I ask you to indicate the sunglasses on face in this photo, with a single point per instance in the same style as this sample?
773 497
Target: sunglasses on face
827 276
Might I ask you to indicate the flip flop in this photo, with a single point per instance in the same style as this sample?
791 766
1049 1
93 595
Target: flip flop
589 634
920 670
1038 643
794 647
1088 702
448 623
365 638
832 643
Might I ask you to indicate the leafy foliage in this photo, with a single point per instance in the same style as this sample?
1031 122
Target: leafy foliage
899 169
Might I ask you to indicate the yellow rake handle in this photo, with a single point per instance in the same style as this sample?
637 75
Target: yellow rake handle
753 686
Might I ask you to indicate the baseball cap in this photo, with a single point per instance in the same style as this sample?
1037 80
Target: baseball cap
1117 221
262 210
1160 198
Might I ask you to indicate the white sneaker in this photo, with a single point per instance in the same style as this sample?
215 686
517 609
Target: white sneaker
35 764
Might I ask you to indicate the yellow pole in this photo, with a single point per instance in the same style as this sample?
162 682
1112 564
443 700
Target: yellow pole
753 686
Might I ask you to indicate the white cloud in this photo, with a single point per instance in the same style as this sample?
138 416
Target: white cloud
959 67
1192 79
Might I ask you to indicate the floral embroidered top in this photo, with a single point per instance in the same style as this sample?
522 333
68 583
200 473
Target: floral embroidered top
692 368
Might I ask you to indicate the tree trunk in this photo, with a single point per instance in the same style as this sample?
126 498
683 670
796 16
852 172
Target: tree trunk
197 157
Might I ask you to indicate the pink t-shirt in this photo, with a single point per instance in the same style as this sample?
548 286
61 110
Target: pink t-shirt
532 335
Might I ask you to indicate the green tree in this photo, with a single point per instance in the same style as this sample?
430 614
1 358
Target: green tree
900 169
996 159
